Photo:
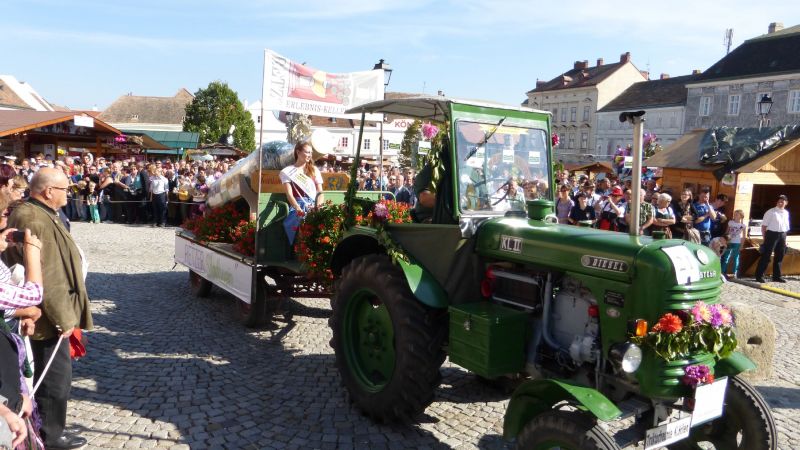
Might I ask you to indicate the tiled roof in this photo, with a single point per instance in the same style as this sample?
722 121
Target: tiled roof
132 109
22 120
769 54
576 78
9 98
652 94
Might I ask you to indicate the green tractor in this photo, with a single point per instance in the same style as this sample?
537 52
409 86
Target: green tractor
495 283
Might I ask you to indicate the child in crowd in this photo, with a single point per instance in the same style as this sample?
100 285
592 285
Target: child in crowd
734 234
719 245
91 200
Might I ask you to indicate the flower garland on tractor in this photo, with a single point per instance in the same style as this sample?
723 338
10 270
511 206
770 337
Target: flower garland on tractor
323 227
703 329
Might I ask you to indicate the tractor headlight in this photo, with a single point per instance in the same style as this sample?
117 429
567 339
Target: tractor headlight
626 356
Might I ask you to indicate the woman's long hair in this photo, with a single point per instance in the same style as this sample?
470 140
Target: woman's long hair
308 168
7 173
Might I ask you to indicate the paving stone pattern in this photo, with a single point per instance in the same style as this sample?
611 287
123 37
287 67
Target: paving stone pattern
167 370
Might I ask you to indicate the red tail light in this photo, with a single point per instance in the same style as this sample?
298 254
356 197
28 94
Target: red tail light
594 311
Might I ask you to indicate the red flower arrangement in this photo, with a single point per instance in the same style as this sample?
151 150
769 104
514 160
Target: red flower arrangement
554 139
217 225
668 323
703 329
244 236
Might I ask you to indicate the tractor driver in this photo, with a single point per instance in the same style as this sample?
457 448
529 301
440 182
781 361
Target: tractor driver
426 197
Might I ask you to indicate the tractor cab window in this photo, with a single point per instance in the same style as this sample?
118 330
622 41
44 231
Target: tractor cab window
500 167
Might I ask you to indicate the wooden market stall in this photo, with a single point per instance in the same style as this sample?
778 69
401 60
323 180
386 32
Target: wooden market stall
591 168
753 187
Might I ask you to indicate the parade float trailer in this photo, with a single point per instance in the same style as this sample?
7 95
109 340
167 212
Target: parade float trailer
612 339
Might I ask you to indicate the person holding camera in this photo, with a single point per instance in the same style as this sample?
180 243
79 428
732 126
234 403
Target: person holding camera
65 302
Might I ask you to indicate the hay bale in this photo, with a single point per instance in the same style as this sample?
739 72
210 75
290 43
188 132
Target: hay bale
756 335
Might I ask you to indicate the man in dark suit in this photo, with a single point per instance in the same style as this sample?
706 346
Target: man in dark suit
65 305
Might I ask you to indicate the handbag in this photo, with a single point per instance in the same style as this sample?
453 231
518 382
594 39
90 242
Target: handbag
77 344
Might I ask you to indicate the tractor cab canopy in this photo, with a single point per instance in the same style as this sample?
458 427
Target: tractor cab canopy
496 156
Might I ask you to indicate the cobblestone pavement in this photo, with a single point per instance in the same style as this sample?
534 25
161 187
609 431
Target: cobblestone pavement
165 369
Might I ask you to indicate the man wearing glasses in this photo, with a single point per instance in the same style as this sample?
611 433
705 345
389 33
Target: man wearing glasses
65 305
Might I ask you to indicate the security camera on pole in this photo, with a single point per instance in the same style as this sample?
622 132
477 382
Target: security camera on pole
636 118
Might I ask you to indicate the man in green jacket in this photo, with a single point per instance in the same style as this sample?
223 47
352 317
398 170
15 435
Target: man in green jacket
65 305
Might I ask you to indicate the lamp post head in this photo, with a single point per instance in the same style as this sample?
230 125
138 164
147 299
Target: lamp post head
764 105
387 71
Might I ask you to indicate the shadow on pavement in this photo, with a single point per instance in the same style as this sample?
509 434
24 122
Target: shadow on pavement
190 373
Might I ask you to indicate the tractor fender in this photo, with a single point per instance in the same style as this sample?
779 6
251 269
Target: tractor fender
733 364
422 284
538 396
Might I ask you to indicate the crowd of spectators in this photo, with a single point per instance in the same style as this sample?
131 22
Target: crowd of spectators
604 202
159 192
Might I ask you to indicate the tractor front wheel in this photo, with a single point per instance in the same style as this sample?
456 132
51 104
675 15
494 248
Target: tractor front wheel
746 423
388 345
572 430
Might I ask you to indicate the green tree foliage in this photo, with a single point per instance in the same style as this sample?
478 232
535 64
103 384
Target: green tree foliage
212 112
409 145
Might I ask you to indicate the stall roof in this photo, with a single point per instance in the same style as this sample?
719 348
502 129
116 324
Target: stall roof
15 121
682 154
685 154
172 139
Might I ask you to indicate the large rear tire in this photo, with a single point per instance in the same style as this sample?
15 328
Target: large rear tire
200 286
746 423
388 345
572 430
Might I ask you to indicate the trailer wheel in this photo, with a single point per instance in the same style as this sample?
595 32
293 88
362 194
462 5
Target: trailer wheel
573 430
200 286
746 423
388 345
258 312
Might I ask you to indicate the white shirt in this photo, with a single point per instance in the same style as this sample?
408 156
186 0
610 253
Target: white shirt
158 184
776 219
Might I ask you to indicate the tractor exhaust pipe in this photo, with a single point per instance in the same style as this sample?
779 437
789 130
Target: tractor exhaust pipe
636 118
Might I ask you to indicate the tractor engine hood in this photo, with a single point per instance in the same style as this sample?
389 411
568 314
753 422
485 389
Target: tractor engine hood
611 255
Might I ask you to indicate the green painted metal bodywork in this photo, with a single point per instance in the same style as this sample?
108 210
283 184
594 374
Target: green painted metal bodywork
734 364
538 396
424 287
645 289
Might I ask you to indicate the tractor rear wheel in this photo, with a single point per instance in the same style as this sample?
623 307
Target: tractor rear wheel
572 430
388 345
200 286
746 423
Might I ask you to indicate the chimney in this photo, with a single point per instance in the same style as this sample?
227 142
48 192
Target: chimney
664 76
625 57
774 26
599 62
697 72
581 64
645 74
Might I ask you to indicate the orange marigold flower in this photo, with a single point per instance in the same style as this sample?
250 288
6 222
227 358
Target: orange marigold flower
669 323
326 240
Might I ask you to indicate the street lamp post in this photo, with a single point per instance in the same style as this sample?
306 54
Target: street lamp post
764 105
387 75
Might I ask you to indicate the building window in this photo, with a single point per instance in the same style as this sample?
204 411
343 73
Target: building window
733 104
705 106
561 140
573 114
366 144
673 121
385 144
759 96
564 114
585 113
343 142
555 114
571 140
794 101
584 140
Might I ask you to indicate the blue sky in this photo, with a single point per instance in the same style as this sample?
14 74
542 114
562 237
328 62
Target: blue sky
83 53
